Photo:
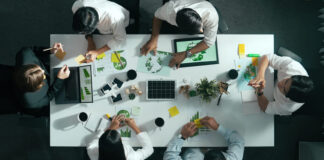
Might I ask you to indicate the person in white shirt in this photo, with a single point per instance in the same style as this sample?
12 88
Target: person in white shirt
109 145
234 140
291 90
191 17
105 16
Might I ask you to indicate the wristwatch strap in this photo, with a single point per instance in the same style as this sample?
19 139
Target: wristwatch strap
180 136
188 54
87 36
260 93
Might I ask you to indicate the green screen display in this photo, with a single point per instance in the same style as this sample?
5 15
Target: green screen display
208 56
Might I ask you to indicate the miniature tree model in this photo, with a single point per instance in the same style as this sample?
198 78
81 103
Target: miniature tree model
207 90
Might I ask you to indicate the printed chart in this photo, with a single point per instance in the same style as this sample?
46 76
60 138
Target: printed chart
247 71
157 64
110 62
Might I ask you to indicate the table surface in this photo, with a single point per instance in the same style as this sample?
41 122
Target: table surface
256 127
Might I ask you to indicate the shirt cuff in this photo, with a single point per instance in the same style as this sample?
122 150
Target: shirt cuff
221 130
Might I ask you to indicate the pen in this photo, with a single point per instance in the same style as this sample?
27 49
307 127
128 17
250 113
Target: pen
119 59
219 99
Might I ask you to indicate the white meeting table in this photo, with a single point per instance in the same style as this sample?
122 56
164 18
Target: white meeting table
256 127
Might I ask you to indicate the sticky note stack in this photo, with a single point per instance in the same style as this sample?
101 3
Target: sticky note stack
80 59
197 123
173 111
241 50
114 58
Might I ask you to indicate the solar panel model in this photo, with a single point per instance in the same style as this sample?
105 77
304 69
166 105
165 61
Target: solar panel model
160 90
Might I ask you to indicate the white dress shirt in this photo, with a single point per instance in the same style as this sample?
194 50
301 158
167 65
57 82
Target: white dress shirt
234 140
286 68
113 19
205 9
130 153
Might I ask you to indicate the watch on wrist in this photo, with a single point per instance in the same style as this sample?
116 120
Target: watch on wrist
188 54
181 137
259 93
87 36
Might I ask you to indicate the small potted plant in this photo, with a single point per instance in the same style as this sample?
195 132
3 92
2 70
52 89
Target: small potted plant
208 90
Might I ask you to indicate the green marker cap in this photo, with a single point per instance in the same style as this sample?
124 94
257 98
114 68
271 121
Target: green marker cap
253 55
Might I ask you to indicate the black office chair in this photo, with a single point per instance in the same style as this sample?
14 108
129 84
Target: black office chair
133 7
170 29
8 102
282 51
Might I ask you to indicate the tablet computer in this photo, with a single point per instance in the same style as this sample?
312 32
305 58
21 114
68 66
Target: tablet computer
206 57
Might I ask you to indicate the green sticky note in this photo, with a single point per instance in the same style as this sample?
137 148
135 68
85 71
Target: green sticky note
136 111
114 58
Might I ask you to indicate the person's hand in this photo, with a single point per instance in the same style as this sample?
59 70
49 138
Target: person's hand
57 47
188 130
258 82
209 122
177 59
115 122
64 72
149 46
131 123
91 56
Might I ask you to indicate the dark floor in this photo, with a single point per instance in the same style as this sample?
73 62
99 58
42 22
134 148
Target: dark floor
293 22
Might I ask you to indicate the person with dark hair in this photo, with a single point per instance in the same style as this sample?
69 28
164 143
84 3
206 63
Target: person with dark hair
191 17
109 145
292 87
105 16
30 76
233 139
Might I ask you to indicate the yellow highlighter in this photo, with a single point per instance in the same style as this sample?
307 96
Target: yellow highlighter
108 116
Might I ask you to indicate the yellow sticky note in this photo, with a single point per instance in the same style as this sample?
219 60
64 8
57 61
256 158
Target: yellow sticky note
80 59
197 123
101 56
255 61
241 50
114 58
173 111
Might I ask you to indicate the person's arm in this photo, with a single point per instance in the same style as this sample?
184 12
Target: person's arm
152 43
262 101
201 46
259 79
175 145
179 57
174 149
161 14
54 88
119 37
259 83
234 140
235 143
143 139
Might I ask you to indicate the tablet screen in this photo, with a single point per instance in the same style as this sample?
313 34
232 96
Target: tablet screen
206 57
